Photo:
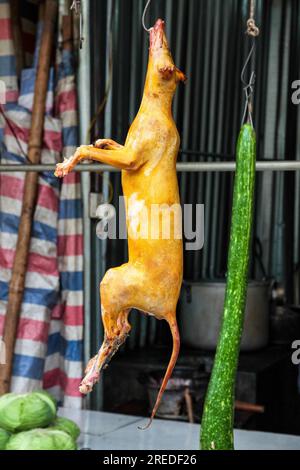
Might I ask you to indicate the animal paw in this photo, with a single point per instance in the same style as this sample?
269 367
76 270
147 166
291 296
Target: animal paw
101 143
92 375
62 169
107 144
88 382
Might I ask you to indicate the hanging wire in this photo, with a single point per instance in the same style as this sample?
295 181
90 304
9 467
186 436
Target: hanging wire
144 15
253 32
248 88
76 6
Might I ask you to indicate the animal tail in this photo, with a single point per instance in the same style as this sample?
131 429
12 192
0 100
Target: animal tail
175 351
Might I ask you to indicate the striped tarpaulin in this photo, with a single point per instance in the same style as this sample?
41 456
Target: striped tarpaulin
7 56
48 350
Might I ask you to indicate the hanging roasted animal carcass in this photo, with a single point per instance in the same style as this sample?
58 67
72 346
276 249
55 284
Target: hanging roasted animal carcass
151 280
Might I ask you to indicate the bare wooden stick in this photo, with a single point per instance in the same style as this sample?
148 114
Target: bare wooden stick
17 283
250 407
189 405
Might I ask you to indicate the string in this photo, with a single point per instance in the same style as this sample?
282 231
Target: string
144 15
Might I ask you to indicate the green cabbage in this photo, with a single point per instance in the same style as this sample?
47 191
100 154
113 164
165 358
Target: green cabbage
41 439
66 425
28 411
4 436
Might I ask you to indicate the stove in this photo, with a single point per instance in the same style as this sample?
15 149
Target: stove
266 391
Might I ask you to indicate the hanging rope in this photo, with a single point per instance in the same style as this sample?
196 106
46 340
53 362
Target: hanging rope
144 15
252 29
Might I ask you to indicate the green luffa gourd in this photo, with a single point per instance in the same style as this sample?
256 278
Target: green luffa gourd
218 413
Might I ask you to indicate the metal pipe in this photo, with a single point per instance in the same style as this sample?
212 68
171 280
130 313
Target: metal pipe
84 73
191 167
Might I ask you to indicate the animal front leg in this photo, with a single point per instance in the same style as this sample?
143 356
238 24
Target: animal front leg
116 328
119 157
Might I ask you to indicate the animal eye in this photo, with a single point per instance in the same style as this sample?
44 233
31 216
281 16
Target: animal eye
167 71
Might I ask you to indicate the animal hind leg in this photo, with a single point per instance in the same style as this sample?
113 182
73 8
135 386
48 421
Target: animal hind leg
116 330
117 290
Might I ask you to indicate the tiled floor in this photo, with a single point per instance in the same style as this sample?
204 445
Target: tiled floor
109 431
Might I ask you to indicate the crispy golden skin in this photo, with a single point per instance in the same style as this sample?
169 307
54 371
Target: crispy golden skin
151 279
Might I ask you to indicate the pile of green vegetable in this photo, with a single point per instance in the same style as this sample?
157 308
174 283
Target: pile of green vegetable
29 422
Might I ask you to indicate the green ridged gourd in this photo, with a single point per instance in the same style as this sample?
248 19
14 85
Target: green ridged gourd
218 413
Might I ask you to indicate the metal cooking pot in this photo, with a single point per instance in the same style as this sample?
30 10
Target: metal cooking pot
201 309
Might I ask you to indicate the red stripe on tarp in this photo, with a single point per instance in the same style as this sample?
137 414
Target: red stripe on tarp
51 139
69 245
70 314
12 96
10 186
5 29
33 329
57 312
57 377
7 258
36 263
73 315
13 187
29 329
47 198
71 178
67 101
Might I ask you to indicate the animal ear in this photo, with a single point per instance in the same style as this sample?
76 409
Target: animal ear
180 75
167 71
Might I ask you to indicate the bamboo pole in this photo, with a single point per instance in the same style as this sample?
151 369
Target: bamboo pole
17 283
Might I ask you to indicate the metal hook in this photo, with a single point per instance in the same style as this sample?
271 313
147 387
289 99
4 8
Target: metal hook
144 15
248 87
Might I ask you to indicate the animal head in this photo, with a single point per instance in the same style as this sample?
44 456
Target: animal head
163 73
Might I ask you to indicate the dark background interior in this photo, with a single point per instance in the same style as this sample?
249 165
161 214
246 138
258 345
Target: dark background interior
209 44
